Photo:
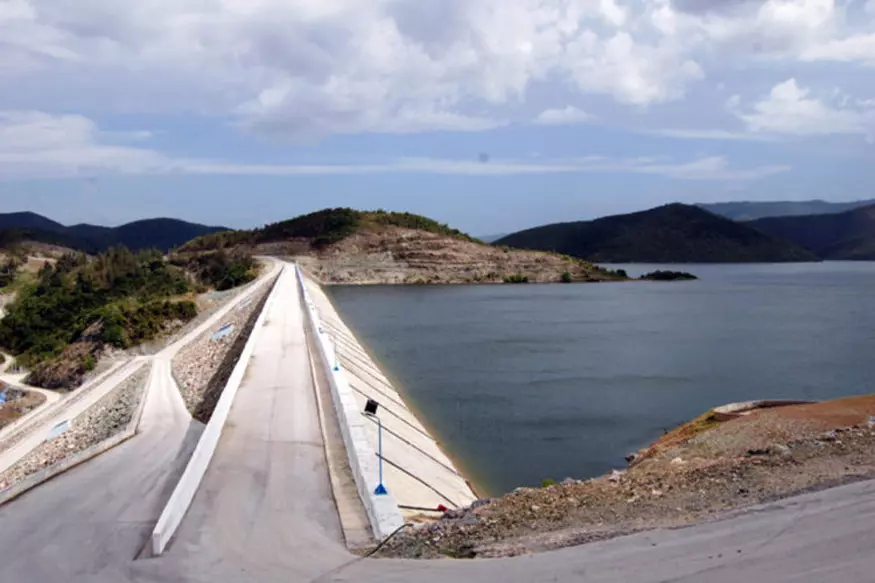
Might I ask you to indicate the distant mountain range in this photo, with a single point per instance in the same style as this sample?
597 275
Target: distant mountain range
847 235
749 211
491 238
674 233
163 234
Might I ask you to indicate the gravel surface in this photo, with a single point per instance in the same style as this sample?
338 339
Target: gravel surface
67 400
202 368
101 421
719 469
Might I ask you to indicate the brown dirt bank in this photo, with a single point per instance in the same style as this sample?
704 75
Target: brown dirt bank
697 473
394 255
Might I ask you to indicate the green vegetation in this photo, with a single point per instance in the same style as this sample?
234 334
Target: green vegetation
220 269
516 279
322 228
547 482
566 277
117 298
749 211
162 234
842 236
674 233
9 273
668 276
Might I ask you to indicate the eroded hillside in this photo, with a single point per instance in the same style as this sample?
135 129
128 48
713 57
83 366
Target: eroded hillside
352 247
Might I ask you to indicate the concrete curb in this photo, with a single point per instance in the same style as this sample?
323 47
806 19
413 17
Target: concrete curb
383 511
184 493
71 462
31 420
735 410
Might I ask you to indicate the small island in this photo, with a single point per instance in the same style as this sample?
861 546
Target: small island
660 275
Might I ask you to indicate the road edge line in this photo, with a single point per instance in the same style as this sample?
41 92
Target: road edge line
382 510
67 464
196 468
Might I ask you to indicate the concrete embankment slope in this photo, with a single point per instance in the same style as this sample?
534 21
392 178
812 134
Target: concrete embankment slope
416 472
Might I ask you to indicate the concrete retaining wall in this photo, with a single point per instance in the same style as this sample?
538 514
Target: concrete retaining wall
383 512
417 472
184 493
734 410
71 462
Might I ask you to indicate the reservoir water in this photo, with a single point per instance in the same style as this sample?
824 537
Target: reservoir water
525 382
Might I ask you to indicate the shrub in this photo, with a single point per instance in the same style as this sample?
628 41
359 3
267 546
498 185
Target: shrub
220 269
668 276
89 363
566 277
8 273
116 292
516 279
547 482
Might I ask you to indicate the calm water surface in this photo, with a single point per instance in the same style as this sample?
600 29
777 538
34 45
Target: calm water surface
522 383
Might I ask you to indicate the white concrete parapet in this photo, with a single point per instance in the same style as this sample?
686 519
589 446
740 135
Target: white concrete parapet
187 487
382 510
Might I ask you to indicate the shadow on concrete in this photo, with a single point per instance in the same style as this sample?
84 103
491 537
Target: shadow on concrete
216 385
170 480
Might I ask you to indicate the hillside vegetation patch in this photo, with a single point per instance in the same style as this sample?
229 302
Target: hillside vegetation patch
322 228
75 308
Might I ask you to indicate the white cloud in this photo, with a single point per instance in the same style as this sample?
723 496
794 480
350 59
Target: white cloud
319 67
854 48
291 67
790 109
710 134
36 144
711 168
568 116
632 72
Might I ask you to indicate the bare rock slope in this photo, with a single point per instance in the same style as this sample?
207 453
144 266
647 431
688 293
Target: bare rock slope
343 246
698 472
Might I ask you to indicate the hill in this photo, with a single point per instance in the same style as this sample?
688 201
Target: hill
674 233
371 247
28 221
749 211
162 234
847 235
59 320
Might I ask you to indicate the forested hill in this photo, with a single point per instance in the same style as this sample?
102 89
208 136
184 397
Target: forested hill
752 210
849 235
162 234
674 233
343 245
64 316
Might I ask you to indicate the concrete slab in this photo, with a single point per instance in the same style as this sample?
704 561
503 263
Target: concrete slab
266 495
416 470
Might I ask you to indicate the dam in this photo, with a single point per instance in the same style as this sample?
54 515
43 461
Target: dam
270 489
421 478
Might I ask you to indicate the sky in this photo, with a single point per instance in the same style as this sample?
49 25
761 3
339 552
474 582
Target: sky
491 115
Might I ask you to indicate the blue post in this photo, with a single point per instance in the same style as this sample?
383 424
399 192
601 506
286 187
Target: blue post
381 489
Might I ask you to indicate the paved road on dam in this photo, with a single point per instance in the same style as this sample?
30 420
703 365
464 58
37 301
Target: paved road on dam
265 512
266 497
86 524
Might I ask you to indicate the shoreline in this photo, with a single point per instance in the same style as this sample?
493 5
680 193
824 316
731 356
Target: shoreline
703 470
418 472
415 406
